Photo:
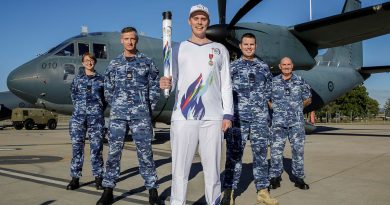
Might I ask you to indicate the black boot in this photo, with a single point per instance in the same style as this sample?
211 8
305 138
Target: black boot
228 197
301 184
274 183
154 199
98 183
107 197
73 184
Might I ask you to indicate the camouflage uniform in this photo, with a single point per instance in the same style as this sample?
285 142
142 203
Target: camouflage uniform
288 122
89 104
131 89
251 91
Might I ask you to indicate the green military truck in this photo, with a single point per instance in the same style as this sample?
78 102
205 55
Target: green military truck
31 117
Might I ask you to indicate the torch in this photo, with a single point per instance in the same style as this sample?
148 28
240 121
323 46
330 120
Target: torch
167 46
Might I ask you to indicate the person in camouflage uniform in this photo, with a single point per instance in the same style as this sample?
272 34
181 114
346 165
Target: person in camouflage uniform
131 89
251 79
290 94
88 100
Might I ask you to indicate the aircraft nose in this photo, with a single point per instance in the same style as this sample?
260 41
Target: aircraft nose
22 82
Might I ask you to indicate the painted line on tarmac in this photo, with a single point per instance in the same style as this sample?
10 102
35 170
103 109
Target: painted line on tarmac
122 195
9 149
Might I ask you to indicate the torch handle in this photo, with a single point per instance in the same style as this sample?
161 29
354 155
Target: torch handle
167 46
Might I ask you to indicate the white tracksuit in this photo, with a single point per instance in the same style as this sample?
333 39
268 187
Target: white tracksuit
201 78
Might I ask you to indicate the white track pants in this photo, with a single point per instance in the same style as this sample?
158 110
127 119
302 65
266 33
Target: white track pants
185 136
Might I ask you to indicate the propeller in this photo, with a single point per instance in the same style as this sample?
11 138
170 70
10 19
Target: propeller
250 4
222 11
224 33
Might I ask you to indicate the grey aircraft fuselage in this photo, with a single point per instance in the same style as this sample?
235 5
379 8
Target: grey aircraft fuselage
45 81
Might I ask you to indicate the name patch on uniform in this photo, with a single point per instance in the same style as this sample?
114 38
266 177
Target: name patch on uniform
129 76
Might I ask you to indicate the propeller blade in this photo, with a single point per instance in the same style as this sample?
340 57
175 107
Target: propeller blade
244 10
222 11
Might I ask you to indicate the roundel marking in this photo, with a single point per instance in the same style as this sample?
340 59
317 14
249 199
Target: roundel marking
330 86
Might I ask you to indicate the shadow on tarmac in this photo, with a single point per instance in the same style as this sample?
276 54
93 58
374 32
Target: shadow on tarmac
246 178
321 129
48 202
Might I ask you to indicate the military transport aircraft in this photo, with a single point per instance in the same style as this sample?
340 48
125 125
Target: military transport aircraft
45 80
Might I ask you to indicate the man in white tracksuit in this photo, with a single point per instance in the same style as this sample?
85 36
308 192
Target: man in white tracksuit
203 108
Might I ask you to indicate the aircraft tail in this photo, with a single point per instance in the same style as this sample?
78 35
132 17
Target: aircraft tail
350 55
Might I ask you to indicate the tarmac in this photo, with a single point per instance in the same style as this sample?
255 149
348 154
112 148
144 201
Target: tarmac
344 164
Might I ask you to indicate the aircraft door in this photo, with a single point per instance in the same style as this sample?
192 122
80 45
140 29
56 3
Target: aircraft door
69 73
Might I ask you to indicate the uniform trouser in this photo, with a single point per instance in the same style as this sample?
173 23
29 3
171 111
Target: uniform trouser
235 144
185 136
78 127
141 130
296 136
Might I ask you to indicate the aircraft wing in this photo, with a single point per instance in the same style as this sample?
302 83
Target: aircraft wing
374 69
345 28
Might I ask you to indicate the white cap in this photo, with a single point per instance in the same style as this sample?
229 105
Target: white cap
199 7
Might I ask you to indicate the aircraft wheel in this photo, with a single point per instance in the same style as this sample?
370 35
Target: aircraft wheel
41 127
29 124
18 126
52 124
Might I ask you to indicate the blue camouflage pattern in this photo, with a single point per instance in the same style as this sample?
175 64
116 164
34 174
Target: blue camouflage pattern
296 137
87 93
141 130
131 87
288 122
287 100
132 91
236 139
251 82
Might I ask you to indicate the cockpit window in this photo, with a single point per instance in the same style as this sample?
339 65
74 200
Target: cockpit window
67 51
69 72
100 51
58 46
83 48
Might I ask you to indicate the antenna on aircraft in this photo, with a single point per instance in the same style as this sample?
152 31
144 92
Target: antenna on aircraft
310 5
84 30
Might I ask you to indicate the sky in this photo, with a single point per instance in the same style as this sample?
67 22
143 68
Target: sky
29 28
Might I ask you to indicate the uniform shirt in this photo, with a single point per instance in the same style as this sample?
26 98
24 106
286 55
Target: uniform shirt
251 90
287 100
202 78
87 95
131 87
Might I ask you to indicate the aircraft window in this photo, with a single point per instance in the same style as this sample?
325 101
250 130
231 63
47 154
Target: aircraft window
58 46
100 50
67 51
69 72
83 48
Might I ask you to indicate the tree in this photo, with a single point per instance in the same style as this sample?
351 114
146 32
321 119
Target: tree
355 102
372 107
327 111
387 107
